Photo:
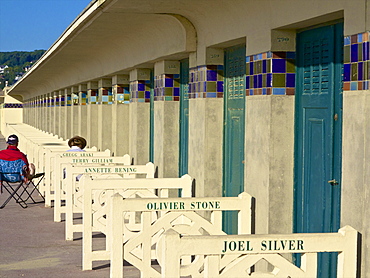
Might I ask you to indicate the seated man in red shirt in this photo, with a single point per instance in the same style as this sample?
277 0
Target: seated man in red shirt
12 153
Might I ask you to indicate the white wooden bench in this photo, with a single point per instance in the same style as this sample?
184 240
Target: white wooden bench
249 249
83 159
181 214
96 195
51 168
75 191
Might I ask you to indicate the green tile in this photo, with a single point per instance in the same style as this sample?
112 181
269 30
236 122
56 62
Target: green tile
168 91
140 94
247 69
360 52
290 66
347 54
258 68
354 75
211 86
278 80
167 98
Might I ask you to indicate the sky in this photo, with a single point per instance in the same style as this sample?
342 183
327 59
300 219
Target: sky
28 25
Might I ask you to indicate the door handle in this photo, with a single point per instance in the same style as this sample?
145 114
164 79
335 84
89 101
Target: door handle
333 182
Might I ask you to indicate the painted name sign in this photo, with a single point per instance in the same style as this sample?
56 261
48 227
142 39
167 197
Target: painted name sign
76 154
264 245
94 160
208 205
111 170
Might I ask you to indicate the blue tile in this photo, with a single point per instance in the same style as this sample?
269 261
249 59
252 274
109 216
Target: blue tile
365 51
359 38
247 78
347 40
264 66
360 71
290 80
290 55
259 81
354 86
211 75
347 72
168 83
211 95
176 92
269 80
278 65
220 86
251 68
264 91
278 91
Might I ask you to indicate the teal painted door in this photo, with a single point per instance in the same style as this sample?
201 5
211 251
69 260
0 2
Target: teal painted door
184 117
234 122
318 135
151 119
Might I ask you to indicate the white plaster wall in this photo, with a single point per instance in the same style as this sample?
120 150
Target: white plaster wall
106 127
166 138
75 120
269 149
139 132
205 145
355 168
83 121
122 129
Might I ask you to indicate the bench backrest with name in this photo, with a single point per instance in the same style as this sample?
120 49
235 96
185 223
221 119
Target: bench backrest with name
74 192
83 159
49 156
96 196
182 214
249 249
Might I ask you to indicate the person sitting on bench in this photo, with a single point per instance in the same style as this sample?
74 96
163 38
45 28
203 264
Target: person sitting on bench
12 153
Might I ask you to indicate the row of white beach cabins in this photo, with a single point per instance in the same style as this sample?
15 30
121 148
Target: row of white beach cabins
163 236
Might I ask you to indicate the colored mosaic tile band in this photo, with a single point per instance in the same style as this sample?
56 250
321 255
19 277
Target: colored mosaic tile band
83 98
69 100
93 97
122 94
140 91
206 82
270 73
356 59
13 105
106 96
167 87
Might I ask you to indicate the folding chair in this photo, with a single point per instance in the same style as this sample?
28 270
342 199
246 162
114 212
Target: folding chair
13 180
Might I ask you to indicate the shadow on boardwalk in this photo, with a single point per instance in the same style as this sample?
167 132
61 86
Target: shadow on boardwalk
32 245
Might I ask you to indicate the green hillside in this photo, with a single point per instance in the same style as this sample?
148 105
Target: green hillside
14 64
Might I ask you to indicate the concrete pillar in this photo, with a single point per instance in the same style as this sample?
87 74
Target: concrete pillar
105 114
82 110
120 114
92 114
205 127
74 111
139 115
166 118
54 113
60 115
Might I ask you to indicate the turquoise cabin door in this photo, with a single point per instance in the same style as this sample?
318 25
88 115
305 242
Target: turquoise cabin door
234 122
184 117
318 135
